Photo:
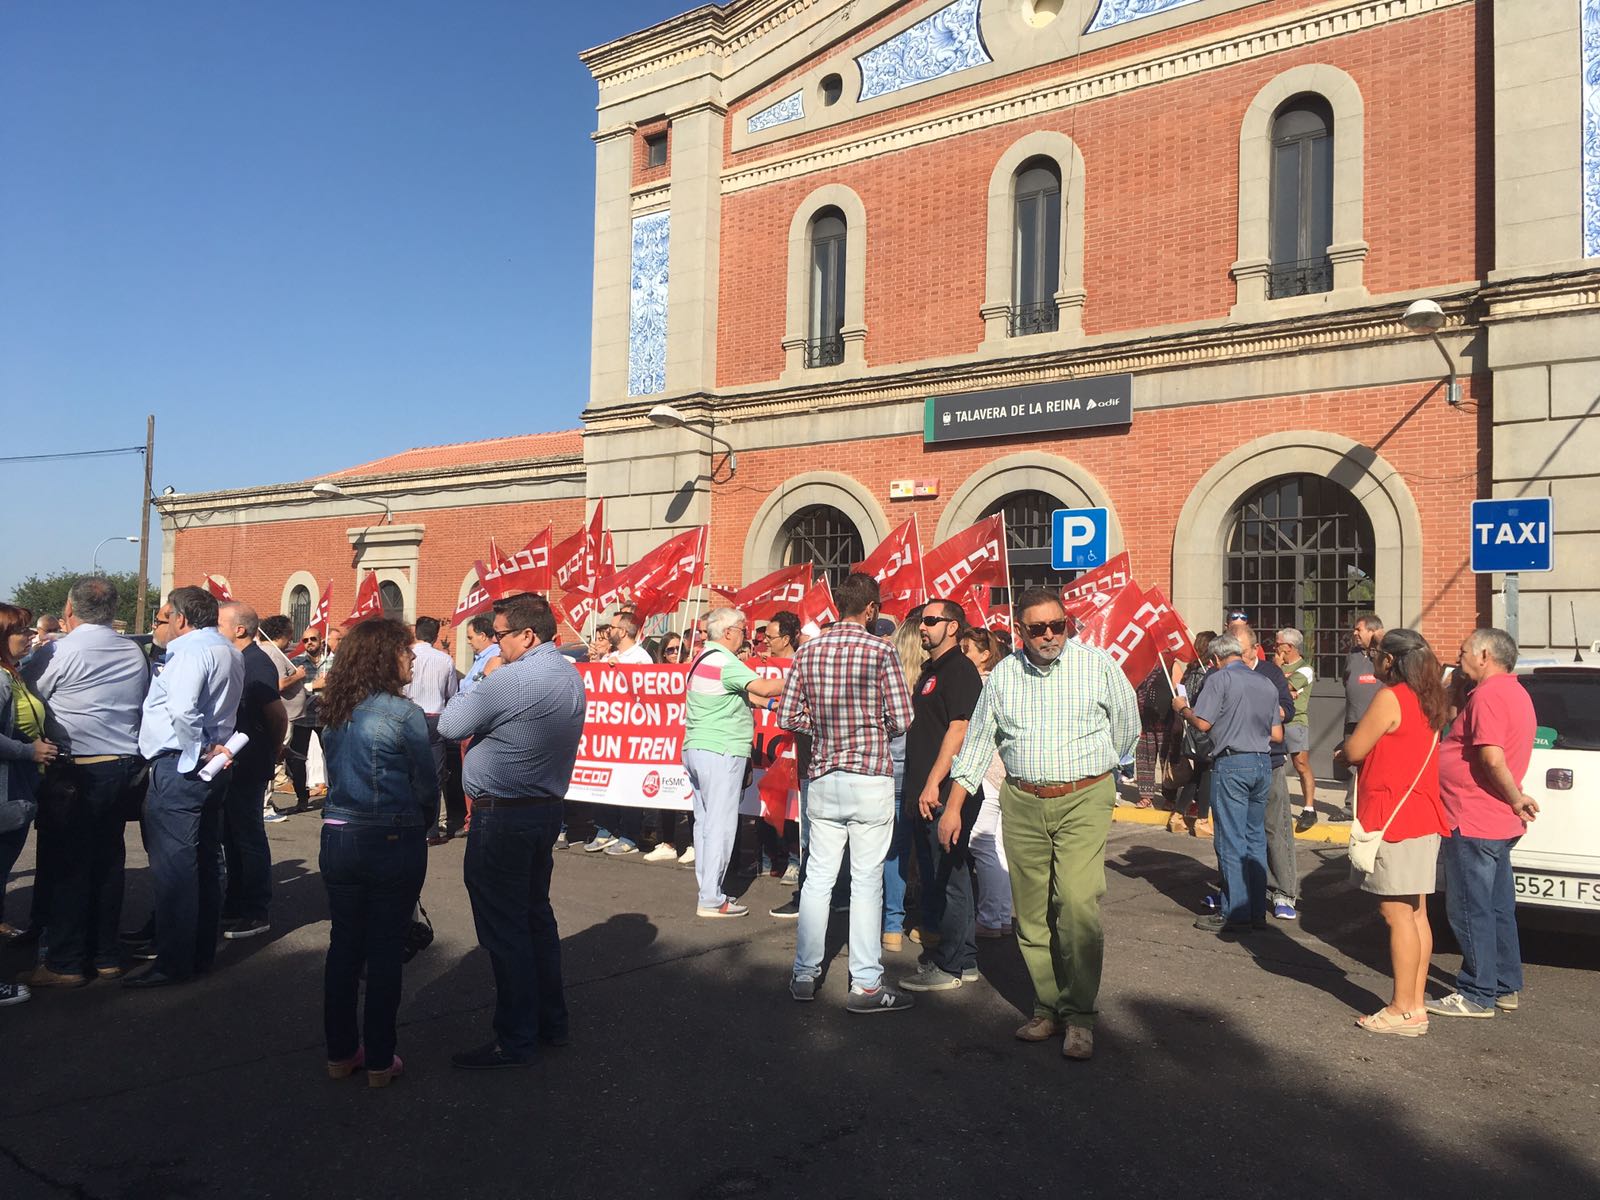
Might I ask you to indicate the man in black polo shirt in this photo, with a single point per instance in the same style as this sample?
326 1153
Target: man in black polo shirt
942 703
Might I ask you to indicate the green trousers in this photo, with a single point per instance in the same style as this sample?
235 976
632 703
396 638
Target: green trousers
1056 850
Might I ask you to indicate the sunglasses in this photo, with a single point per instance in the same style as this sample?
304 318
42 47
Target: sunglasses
1037 629
928 622
504 633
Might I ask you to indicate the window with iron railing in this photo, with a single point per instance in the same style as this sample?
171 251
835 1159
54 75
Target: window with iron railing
1300 218
1036 249
823 536
824 340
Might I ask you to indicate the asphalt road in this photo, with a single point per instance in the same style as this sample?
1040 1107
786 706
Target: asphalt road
1222 1068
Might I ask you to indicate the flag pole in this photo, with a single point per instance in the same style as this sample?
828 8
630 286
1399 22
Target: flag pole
1166 673
700 550
1005 558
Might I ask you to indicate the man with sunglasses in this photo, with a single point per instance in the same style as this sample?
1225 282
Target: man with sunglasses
525 721
943 699
1062 716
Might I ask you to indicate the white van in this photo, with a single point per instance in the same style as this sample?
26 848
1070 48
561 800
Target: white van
1557 862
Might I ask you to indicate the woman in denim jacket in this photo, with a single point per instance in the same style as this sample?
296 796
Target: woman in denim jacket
383 797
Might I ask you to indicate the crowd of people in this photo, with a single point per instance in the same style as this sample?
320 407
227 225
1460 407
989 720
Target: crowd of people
937 767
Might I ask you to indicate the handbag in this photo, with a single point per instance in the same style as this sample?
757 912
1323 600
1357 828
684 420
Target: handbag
419 937
1364 842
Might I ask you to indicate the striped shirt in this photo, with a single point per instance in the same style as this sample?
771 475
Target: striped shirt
847 689
1074 719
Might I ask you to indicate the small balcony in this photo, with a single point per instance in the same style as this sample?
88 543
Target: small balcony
1304 277
1027 319
825 351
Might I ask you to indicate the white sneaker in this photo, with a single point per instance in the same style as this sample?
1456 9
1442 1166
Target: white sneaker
598 843
686 859
272 816
662 852
727 909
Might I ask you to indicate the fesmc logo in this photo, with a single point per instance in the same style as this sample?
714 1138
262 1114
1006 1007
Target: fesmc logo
652 785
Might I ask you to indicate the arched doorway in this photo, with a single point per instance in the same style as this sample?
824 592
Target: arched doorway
1300 553
822 535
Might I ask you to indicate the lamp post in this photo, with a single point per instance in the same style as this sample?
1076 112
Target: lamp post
1426 317
664 416
94 559
332 491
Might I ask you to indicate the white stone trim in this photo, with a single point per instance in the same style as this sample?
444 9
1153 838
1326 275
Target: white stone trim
1144 71
796 327
1069 290
763 549
1199 540
464 655
1028 471
306 580
1348 248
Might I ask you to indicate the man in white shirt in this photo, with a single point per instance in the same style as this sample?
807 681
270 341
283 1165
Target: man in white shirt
433 683
188 716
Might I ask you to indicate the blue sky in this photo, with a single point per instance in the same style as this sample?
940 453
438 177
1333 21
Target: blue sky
303 234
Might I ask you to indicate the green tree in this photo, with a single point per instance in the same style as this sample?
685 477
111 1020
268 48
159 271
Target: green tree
48 594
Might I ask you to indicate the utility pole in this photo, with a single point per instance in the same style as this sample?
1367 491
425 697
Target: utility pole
144 524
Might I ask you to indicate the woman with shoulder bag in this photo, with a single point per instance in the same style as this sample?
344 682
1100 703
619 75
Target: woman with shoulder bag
24 753
1394 842
383 798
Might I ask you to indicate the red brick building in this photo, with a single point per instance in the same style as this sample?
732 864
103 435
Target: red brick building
826 231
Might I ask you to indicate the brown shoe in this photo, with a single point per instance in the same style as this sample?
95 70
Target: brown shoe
893 942
1202 828
1039 1029
924 937
43 977
1079 1043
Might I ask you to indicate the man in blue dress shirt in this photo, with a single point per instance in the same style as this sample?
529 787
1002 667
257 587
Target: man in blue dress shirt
188 715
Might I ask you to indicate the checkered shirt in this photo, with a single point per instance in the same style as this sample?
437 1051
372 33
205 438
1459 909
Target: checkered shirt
847 690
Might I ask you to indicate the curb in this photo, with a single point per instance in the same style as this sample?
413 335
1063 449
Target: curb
1322 833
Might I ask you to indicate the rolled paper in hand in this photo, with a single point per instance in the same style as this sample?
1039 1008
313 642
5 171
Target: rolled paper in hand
214 768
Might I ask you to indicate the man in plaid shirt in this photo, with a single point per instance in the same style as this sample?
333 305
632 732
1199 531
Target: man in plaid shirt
847 690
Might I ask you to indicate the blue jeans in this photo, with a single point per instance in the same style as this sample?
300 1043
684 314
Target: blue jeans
1481 901
894 865
11 843
79 877
183 836
374 876
507 872
718 782
841 883
857 811
1239 787
245 849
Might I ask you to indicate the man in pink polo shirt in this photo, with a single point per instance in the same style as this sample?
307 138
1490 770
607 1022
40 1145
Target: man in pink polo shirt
1482 761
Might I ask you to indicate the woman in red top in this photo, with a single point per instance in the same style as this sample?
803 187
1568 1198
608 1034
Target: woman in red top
1397 743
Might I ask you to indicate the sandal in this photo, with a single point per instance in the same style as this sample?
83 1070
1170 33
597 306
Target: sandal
1202 827
1399 1024
1177 824
1144 802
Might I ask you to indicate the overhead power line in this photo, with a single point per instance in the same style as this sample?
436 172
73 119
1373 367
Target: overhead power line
16 458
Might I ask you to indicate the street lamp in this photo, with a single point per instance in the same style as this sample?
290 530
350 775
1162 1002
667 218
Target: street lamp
332 491
664 416
94 560
1424 316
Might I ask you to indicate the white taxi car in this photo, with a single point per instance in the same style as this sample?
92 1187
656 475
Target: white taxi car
1557 862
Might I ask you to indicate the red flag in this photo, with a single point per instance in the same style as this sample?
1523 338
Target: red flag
1115 575
319 618
782 589
476 601
528 570
1123 633
369 602
1172 639
587 556
657 583
980 614
896 564
974 557
776 786
817 608
217 588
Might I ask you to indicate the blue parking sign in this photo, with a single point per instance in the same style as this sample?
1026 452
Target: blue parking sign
1078 538
1512 535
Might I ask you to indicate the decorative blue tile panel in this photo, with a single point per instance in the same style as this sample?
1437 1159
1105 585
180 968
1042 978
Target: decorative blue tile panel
946 42
647 309
1591 128
790 108
1119 12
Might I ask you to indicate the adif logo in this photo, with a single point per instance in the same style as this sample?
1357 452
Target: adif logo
651 787
947 418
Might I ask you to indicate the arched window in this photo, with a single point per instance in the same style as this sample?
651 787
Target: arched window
823 536
825 325
1300 555
299 609
1028 542
1300 224
394 603
1036 248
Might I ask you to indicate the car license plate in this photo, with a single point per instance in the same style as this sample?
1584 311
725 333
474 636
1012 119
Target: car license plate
1566 891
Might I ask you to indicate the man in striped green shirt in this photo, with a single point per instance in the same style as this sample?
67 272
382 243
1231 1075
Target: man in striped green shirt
1062 716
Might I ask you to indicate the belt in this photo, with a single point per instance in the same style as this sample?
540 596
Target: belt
490 803
1052 791
84 760
1226 753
